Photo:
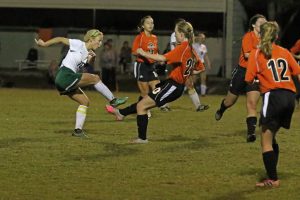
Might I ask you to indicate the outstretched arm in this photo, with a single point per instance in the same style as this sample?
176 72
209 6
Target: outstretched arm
156 57
52 41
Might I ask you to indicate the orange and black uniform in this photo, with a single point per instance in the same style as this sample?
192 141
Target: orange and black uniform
183 63
276 84
237 85
143 67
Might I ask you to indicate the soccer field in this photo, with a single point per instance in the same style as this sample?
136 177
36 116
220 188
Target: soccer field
189 154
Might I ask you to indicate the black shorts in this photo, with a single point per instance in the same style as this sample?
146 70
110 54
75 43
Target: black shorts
144 72
166 92
238 84
277 109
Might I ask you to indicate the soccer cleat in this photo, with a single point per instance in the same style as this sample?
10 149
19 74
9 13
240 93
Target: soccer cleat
218 115
118 101
114 111
251 137
268 183
165 108
79 133
139 141
202 107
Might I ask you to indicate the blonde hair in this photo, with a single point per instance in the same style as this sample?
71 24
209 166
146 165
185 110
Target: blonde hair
268 34
187 29
93 33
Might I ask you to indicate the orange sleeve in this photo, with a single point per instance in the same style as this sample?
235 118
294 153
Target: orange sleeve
295 68
251 67
136 44
247 43
296 48
174 56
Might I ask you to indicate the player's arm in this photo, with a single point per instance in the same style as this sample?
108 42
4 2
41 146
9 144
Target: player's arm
52 41
251 68
207 61
156 57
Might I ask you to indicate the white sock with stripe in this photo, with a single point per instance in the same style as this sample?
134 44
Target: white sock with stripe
100 87
194 97
80 116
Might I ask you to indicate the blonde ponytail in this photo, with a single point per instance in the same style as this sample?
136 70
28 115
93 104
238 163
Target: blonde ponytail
269 33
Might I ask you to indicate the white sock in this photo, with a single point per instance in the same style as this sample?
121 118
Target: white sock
80 116
100 87
194 97
203 89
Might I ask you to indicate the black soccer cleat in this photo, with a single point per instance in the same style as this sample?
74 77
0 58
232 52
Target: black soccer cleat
218 115
79 133
251 137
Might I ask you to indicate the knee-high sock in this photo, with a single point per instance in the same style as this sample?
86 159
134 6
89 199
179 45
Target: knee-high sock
100 87
269 159
251 125
128 110
203 89
80 116
276 151
142 123
194 97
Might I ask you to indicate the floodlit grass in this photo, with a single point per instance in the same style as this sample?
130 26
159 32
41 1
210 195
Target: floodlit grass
189 156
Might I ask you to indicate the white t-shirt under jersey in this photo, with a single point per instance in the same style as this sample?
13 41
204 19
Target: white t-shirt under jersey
201 50
172 41
77 55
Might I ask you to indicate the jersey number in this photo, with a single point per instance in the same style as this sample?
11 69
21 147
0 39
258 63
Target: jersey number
190 66
274 66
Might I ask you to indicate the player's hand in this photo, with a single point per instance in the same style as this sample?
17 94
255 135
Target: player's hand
91 54
40 42
140 51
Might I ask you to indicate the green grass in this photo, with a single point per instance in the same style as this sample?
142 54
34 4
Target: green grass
189 156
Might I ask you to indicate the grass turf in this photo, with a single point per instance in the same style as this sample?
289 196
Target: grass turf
189 156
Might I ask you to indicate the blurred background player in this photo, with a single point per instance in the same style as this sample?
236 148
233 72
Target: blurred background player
68 80
201 50
185 62
273 66
238 85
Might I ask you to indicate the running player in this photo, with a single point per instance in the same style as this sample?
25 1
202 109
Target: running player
68 79
185 62
238 84
273 66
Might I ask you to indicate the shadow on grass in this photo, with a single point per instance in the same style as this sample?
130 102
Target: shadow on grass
238 195
193 144
240 133
110 150
6 143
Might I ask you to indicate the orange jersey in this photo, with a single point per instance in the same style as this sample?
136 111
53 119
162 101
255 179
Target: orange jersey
147 43
250 42
183 63
273 73
296 48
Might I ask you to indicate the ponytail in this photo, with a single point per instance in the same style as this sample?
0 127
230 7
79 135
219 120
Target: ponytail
269 33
